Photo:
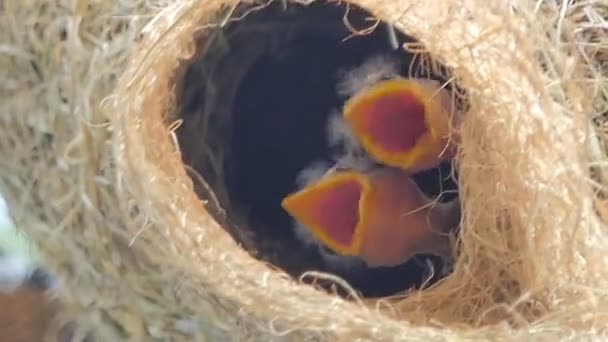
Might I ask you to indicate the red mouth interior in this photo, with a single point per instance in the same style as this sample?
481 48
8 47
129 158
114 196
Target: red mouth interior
337 211
394 122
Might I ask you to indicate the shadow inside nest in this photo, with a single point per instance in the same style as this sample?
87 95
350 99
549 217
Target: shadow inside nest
262 117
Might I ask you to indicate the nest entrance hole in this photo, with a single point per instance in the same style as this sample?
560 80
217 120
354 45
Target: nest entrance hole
255 102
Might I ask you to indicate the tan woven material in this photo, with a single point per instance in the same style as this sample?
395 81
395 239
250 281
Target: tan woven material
91 171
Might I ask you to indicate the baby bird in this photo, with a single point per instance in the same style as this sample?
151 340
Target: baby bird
345 154
399 122
307 177
381 216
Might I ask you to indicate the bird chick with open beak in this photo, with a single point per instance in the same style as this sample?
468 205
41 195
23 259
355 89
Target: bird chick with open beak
345 154
399 122
380 217
307 177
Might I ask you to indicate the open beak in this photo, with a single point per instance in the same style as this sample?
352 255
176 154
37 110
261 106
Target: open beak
332 209
402 123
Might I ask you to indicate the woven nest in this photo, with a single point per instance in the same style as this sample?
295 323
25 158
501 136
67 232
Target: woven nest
130 161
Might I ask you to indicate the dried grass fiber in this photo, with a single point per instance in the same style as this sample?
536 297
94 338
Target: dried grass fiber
103 193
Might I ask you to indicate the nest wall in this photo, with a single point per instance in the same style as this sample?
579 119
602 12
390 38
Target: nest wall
92 172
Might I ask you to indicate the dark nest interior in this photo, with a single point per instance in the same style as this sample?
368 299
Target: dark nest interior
253 105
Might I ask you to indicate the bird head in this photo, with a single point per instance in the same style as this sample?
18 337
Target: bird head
381 217
403 123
